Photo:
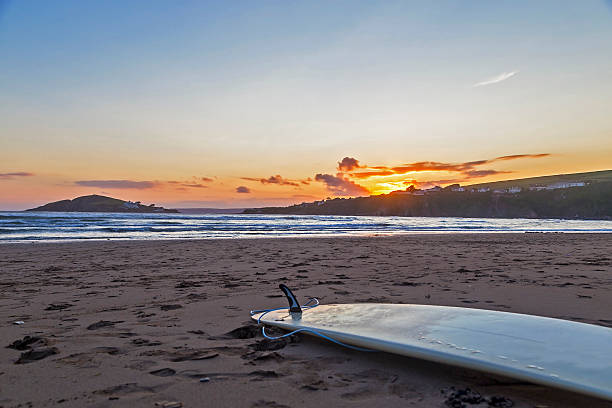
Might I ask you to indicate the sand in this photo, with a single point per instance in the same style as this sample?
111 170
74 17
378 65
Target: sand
143 323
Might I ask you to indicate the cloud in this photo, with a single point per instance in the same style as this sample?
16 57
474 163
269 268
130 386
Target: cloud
348 164
467 168
367 174
464 171
496 79
279 180
341 186
243 189
194 185
117 184
7 176
521 156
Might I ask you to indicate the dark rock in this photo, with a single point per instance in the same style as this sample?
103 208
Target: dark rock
163 372
27 342
192 355
277 344
244 332
58 306
463 398
36 354
145 342
188 284
170 307
264 373
101 324
500 402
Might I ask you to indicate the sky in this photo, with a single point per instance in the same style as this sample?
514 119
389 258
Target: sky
256 103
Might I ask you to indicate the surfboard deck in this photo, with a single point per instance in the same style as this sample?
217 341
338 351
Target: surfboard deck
559 353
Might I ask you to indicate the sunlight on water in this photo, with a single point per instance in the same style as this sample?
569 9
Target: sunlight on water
30 226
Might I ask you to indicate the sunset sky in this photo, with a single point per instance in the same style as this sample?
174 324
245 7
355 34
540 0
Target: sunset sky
238 104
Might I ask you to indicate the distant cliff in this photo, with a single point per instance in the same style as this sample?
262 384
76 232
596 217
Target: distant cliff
592 201
98 203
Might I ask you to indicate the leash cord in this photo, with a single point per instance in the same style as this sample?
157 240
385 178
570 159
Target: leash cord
311 331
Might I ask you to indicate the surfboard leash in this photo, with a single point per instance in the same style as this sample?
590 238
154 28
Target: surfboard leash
294 307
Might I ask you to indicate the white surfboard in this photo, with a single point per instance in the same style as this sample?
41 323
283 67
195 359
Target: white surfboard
559 353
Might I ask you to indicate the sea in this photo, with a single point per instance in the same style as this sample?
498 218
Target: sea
70 226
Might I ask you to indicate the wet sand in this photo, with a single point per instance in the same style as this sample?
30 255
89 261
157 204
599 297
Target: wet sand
143 323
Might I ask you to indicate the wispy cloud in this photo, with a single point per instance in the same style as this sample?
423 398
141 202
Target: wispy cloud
117 184
496 79
6 176
278 179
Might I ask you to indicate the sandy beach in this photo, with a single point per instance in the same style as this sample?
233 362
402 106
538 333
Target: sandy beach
166 323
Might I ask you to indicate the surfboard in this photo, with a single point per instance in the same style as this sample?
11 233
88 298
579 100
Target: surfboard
553 352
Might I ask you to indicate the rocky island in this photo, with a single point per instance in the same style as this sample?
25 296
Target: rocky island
98 203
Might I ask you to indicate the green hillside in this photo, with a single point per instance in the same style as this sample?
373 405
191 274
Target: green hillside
590 177
591 201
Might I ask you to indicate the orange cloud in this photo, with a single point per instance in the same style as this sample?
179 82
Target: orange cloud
466 171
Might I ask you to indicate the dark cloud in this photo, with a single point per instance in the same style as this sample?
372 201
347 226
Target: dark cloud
279 180
341 186
194 185
243 189
117 184
348 164
6 176
206 179
522 156
183 185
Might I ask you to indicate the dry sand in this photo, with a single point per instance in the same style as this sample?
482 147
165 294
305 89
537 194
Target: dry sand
139 323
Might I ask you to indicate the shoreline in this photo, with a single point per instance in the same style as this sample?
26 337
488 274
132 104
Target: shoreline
312 236
135 323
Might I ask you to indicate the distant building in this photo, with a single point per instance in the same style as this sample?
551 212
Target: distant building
565 185
561 184
458 188
514 190
130 205
483 190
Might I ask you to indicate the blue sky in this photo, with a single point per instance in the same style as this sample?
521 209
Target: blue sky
162 90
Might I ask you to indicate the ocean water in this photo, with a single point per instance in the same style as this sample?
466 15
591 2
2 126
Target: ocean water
43 226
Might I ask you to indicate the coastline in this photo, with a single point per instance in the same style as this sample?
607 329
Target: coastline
165 300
